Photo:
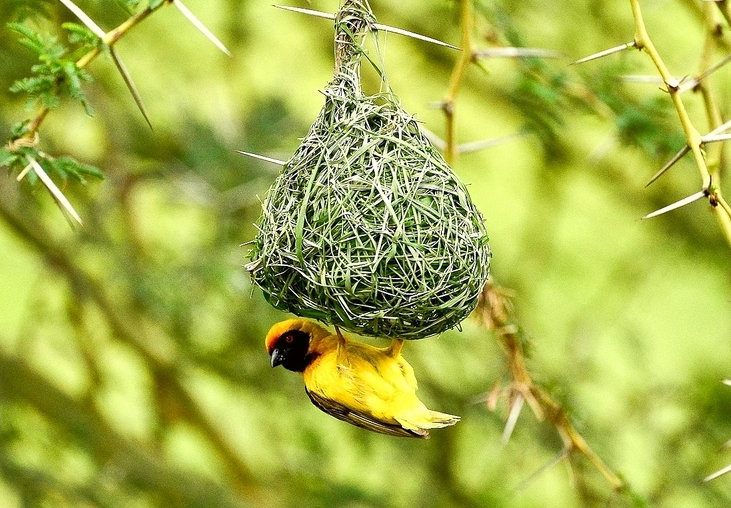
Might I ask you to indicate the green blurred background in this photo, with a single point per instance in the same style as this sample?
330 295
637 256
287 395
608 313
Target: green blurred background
132 365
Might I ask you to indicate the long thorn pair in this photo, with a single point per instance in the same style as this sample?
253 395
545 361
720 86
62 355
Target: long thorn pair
96 30
374 26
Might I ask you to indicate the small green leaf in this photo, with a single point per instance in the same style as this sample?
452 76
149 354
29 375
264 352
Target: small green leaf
7 158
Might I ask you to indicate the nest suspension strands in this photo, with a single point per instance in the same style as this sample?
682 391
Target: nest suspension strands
367 227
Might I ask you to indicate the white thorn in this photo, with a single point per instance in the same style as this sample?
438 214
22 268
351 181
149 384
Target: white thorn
518 53
512 418
200 26
84 18
606 52
685 201
54 190
717 474
262 157
375 26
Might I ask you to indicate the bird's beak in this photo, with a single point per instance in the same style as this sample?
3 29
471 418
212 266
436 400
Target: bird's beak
277 357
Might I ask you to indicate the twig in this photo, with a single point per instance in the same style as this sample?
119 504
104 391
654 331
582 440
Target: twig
710 183
108 39
467 22
158 351
495 311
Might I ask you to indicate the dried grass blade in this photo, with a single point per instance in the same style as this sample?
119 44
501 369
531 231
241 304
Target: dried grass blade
22 174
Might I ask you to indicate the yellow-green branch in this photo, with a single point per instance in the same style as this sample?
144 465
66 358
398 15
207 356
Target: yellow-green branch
711 185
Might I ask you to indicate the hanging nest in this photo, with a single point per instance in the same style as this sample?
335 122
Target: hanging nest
367 227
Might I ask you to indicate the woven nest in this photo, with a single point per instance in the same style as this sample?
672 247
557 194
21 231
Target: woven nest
367 227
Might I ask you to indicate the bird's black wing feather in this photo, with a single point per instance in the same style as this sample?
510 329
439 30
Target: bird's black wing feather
359 419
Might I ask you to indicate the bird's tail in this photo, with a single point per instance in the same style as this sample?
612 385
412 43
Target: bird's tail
426 419
438 420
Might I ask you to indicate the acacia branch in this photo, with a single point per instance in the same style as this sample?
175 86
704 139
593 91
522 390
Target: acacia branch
710 181
467 22
495 311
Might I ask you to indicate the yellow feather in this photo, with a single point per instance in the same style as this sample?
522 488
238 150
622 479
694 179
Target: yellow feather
375 383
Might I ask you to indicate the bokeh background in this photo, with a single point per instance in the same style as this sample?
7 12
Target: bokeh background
132 366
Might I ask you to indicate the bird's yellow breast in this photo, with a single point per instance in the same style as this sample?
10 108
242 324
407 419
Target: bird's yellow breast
362 377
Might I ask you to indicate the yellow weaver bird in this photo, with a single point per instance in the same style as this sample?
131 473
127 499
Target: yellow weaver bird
370 387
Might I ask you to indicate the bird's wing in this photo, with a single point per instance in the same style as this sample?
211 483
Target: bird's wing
360 419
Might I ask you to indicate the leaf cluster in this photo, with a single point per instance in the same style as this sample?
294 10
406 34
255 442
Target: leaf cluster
56 73
64 167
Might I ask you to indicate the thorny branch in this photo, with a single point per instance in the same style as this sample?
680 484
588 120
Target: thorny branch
495 308
708 164
495 312
109 39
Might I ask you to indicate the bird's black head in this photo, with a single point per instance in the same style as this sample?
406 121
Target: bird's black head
290 350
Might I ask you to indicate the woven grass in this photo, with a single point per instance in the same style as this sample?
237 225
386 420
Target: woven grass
367 227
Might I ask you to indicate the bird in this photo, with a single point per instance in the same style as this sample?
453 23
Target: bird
373 388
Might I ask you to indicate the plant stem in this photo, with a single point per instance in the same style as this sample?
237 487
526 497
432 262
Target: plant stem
711 184
495 310
467 22
109 40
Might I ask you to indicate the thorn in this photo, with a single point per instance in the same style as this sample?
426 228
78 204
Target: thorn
130 84
413 35
717 474
262 157
721 128
309 12
374 26
200 26
668 165
685 201
606 52
22 174
715 138
692 83
638 78
515 409
435 140
474 146
84 18
712 137
555 460
54 190
513 52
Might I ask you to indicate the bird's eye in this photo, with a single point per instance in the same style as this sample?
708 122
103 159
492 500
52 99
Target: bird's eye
289 339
